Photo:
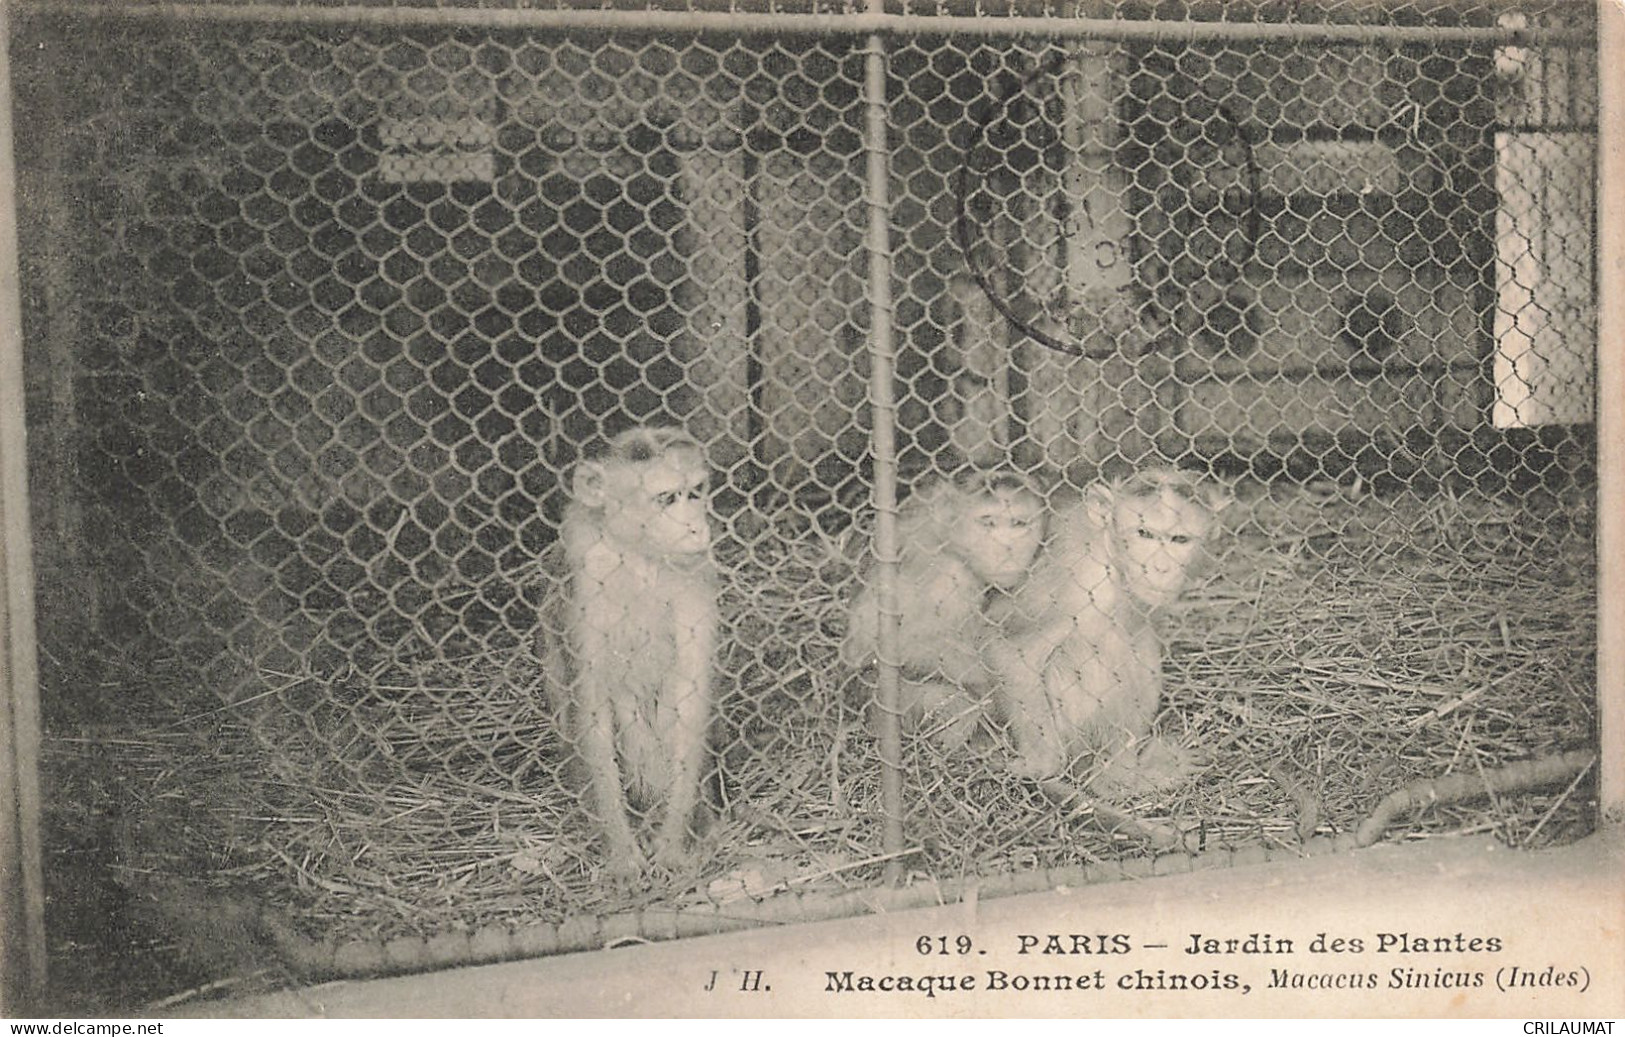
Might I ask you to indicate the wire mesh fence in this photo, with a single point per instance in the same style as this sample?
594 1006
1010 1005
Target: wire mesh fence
323 320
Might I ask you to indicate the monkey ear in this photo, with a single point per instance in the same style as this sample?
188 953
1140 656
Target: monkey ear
589 484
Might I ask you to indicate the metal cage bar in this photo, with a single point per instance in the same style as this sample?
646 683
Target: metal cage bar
22 890
882 391
737 23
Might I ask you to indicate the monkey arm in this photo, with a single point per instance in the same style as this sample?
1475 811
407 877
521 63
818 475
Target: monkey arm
1022 698
558 670
567 645
1037 645
595 743
961 654
1034 622
555 616
934 605
960 661
862 630
580 705
686 705
592 726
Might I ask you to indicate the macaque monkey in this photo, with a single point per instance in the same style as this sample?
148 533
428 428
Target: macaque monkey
1078 659
958 540
628 636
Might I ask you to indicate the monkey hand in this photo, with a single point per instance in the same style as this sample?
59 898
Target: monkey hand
669 854
1159 764
1167 763
625 866
1037 762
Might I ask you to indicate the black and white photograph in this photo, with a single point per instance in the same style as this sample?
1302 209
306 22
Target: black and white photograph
812 508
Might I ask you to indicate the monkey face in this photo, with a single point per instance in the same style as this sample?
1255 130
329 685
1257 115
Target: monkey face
999 536
676 512
659 507
1156 543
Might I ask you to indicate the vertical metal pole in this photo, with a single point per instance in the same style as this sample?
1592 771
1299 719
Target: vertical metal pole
22 894
1610 416
882 357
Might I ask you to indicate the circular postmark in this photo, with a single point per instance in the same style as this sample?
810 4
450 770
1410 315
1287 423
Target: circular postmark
1194 183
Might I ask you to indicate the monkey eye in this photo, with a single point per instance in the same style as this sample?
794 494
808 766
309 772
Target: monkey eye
667 499
695 493
1180 538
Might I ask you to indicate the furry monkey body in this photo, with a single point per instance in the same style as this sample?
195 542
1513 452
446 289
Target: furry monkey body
628 640
1079 658
959 540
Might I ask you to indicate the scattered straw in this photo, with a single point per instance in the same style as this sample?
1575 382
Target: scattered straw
1339 650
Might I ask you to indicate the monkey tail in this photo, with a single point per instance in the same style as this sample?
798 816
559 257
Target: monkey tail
1462 786
1293 782
1079 804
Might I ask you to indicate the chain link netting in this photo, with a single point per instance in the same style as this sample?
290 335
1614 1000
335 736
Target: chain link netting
321 318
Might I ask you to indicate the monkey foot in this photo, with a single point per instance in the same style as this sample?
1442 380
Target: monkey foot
671 858
949 731
1158 765
1036 766
625 868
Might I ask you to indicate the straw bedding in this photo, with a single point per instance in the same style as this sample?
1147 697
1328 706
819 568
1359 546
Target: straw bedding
1343 645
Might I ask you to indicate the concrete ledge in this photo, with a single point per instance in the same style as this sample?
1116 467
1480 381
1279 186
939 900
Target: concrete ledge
1445 927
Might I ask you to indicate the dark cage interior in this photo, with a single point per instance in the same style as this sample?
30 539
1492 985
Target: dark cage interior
319 323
